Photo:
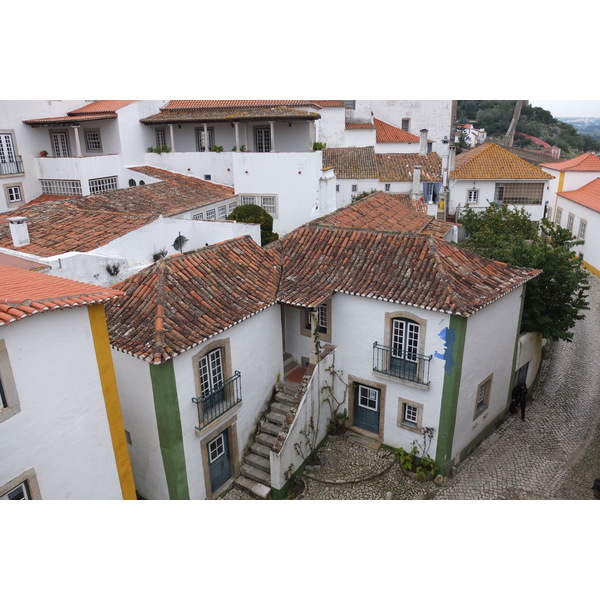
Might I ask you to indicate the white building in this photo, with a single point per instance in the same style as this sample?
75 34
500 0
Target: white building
61 428
404 317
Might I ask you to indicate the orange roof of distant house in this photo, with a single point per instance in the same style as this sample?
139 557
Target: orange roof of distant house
360 126
187 104
101 109
25 293
387 133
490 161
583 162
352 163
587 195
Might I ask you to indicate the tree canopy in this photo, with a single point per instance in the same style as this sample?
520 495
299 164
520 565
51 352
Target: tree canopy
556 298
252 213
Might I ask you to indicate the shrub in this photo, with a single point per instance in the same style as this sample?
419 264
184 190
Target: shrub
252 213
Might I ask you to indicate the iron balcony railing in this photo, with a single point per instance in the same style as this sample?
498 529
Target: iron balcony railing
216 402
408 366
14 167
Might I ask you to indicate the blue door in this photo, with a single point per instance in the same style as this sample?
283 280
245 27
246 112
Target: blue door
219 460
366 407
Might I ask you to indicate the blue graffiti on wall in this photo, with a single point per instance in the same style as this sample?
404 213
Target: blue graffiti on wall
449 337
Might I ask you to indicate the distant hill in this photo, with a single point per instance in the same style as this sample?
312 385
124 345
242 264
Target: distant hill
589 126
495 117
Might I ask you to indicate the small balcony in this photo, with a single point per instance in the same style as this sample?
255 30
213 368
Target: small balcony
14 167
408 366
219 400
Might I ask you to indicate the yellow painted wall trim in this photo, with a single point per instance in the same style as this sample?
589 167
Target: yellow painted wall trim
111 399
561 183
591 269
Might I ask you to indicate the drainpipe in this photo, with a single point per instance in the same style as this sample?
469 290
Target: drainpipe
77 142
272 126
237 136
172 137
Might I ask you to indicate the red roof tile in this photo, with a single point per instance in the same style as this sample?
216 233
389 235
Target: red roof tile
101 109
351 163
85 223
400 166
24 293
387 133
588 195
360 126
213 115
583 162
181 301
490 161
102 106
186 104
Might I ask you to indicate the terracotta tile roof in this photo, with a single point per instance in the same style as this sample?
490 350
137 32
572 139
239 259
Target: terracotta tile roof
583 162
85 223
400 166
352 163
186 104
281 113
377 211
490 161
182 300
404 268
387 133
360 126
588 195
407 201
22 263
25 293
101 109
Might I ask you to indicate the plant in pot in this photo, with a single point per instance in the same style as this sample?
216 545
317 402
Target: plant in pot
43 153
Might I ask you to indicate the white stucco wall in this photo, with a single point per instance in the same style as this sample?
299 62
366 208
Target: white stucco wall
529 350
219 165
133 134
357 138
257 353
62 429
331 126
139 419
572 180
489 349
591 245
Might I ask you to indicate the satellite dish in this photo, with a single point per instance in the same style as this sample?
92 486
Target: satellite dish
179 242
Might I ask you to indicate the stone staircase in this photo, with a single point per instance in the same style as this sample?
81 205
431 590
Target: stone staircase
255 478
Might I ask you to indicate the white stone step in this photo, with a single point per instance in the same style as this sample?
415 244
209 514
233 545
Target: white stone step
256 475
260 462
270 428
266 439
261 450
258 490
281 408
277 418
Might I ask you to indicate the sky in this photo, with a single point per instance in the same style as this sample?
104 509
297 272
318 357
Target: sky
570 108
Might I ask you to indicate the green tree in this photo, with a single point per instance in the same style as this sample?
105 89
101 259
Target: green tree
252 213
555 299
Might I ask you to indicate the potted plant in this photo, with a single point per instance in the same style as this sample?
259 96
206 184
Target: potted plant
43 153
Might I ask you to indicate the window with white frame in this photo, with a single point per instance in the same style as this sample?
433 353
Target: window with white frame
409 414
558 215
198 216
322 314
103 184
9 398
473 196
160 138
388 187
9 163
23 487
368 397
222 212
405 124
349 104
519 193
14 193
482 398
93 142
3 399
570 220
232 207
247 200
60 143
262 139
201 141
582 228
269 203
211 214
61 186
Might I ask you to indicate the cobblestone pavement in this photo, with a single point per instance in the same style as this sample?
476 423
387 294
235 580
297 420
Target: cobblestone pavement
553 454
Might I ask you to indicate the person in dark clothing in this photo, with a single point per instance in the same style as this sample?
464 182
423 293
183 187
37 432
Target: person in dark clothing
519 397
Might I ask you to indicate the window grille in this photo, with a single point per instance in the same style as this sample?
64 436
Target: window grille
248 200
349 104
582 228
519 193
61 186
222 213
198 216
232 206
269 204
14 194
92 140
211 214
103 184
570 220
558 216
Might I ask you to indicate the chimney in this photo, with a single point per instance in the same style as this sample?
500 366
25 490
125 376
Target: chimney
19 231
423 143
452 159
416 186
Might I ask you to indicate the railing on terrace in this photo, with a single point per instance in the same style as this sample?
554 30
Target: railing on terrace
219 400
13 167
408 366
